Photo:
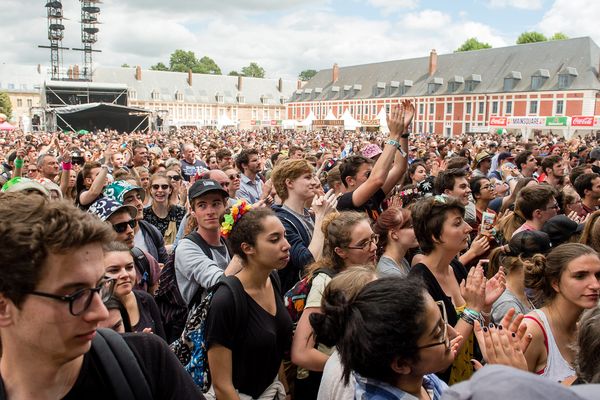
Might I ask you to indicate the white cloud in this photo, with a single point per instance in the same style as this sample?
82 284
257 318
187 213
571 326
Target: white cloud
575 18
284 42
522 4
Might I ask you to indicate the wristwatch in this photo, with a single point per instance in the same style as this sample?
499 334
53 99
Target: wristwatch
396 144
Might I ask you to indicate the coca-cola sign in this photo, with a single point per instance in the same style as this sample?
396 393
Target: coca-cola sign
498 121
582 121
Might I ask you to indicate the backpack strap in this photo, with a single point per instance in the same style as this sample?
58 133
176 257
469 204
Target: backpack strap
195 237
141 261
122 368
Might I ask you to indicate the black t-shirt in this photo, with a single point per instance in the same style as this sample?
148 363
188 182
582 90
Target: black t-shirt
149 314
163 372
372 207
258 348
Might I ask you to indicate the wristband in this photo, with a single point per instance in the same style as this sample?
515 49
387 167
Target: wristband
19 163
66 166
396 144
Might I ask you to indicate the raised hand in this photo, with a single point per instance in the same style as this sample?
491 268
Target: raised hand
472 289
408 114
395 120
323 205
494 288
480 245
499 346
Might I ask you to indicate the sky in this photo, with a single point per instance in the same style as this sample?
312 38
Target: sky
288 36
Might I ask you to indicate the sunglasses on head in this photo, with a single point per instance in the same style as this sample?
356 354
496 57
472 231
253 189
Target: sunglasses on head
176 178
156 186
122 226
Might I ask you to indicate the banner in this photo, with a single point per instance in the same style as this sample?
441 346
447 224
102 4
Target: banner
556 121
498 121
527 121
582 121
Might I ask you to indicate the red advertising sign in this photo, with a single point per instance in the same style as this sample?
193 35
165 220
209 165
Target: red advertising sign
498 121
582 121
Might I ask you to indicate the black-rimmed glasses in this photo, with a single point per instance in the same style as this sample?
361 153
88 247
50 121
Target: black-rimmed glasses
80 301
445 339
366 244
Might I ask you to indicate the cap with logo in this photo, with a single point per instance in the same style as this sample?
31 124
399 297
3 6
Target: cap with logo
119 189
105 207
203 186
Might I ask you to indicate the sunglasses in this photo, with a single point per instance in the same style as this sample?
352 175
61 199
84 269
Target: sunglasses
122 226
163 187
32 170
234 176
175 178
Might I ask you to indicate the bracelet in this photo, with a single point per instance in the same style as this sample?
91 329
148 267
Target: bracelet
396 144
66 166
19 163
470 316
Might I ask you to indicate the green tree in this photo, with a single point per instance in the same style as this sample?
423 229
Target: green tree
307 74
234 73
559 36
473 44
182 61
159 67
253 70
531 37
5 105
125 65
206 65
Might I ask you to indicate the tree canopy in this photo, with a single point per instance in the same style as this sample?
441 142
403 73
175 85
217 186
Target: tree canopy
159 67
183 61
559 36
531 37
473 44
253 70
307 74
5 105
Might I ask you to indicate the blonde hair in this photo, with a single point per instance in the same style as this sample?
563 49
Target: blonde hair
288 169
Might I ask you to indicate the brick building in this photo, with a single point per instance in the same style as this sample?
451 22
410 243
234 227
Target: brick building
546 86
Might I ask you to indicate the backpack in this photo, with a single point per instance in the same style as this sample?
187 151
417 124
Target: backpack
120 365
295 298
173 308
142 265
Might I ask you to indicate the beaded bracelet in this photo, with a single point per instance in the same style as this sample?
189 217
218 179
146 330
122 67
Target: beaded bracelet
470 316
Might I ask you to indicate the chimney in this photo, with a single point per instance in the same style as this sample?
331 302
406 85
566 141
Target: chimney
299 84
432 62
280 85
70 72
138 73
189 80
39 68
76 72
240 81
336 73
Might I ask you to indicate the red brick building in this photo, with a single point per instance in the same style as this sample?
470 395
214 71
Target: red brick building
532 87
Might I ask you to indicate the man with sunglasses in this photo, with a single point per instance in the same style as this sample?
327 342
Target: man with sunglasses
52 288
122 218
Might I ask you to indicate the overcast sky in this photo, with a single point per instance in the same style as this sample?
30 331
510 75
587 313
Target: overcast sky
288 36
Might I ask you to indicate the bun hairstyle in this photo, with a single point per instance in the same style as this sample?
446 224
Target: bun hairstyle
375 327
542 271
337 229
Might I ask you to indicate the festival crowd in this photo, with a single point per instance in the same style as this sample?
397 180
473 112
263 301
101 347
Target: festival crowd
300 265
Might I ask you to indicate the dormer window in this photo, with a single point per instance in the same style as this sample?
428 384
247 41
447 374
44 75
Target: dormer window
566 77
155 95
472 82
240 98
178 96
539 78
511 80
455 83
434 85
219 97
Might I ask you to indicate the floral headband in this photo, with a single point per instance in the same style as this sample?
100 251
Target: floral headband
235 213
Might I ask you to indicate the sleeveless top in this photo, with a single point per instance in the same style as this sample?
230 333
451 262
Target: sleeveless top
557 368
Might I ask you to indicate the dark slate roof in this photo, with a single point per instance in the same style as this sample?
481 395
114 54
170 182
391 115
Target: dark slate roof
578 57
204 87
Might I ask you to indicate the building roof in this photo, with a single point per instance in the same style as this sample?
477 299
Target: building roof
21 78
204 89
485 69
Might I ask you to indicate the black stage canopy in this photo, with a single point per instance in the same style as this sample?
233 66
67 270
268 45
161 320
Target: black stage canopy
94 116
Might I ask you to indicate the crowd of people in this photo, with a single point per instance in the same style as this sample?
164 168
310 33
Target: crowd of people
307 265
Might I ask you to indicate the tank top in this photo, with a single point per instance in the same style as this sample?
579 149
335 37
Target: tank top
557 368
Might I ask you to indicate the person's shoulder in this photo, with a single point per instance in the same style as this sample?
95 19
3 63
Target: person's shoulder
143 295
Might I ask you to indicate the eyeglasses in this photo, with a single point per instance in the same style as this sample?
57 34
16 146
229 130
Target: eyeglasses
163 187
445 339
366 244
234 176
224 184
81 299
32 170
552 207
122 226
175 178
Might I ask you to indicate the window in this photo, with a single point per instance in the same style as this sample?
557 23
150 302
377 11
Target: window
481 107
219 98
560 106
266 113
467 127
537 82
469 106
448 131
277 114
374 109
420 127
241 99
387 108
509 107
533 107
494 107
448 108
132 94
470 86
155 95
11 85
421 108
509 84
178 96
431 108
431 127
366 109
432 87
19 102
29 103
453 86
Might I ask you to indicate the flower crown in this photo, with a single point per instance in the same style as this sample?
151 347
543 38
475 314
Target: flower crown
235 213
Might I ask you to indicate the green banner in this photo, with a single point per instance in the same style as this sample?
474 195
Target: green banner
556 121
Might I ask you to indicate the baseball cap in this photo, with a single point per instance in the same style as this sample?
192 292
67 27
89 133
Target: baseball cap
528 243
20 183
505 156
560 228
119 189
203 186
595 154
484 155
371 151
105 207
